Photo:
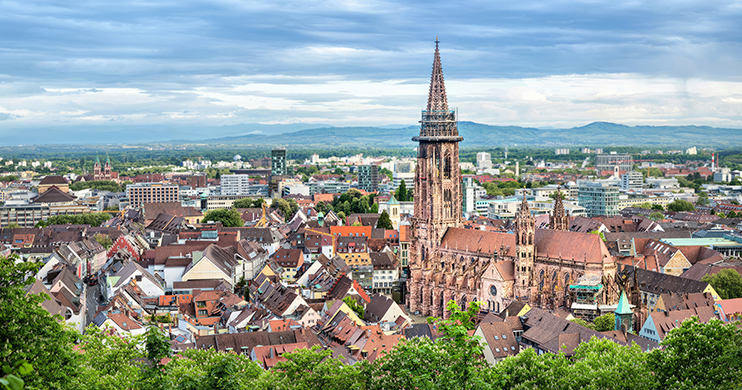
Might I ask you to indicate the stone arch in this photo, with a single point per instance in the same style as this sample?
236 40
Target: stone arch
463 302
541 281
447 165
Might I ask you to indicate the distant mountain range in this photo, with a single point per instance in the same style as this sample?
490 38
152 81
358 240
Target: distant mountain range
477 134
318 136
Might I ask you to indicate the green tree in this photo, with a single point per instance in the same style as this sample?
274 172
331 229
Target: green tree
703 199
92 219
247 203
311 369
384 221
732 214
605 322
657 207
374 209
355 306
13 225
155 375
645 205
401 193
679 205
727 282
228 217
104 240
452 361
699 356
106 360
338 171
656 216
29 333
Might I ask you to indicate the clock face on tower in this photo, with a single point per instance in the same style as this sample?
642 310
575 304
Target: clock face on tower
493 290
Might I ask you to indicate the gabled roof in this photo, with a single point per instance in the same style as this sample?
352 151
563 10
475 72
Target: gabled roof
668 320
53 195
582 247
53 180
659 283
377 308
550 332
479 241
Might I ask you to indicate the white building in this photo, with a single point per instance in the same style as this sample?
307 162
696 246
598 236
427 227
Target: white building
484 161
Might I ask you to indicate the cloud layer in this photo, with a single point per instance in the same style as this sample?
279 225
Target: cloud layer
367 63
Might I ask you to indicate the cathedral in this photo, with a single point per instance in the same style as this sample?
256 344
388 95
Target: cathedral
105 173
449 262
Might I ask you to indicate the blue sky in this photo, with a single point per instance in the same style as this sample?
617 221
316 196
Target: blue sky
213 63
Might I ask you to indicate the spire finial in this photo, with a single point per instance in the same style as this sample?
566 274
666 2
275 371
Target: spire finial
436 41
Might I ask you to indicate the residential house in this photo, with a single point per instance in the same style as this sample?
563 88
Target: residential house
290 260
385 272
658 324
498 340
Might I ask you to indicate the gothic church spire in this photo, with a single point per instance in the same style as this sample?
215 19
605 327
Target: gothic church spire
437 100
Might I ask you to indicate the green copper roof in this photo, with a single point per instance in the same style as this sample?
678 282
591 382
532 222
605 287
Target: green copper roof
392 200
623 304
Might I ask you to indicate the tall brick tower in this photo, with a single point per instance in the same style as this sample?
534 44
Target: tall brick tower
437 186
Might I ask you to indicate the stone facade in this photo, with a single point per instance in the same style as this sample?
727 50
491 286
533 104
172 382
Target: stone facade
448 262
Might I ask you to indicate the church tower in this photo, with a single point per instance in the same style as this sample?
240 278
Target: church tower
438 203
558 220
96 169
525 237
624 315
107 169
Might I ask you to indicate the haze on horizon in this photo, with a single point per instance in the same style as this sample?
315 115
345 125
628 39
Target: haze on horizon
353 63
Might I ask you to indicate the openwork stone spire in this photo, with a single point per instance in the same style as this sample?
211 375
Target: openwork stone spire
438 121
558 220
437 100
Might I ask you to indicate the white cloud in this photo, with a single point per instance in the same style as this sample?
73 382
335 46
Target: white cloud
559 101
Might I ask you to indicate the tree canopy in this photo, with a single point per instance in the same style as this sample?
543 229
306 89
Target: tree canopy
384 221
402 194
678 205
228 217
92 219
247 203
727 282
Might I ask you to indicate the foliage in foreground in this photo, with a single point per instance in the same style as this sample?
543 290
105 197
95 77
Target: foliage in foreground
694 356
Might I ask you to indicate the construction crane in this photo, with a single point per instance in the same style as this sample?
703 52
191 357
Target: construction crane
264 219
323 234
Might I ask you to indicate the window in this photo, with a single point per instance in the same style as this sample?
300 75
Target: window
202 312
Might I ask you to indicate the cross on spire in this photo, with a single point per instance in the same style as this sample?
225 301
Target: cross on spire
437 100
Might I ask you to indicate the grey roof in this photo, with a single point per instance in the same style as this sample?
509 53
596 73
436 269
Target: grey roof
377 308
129 269
659 283
550 332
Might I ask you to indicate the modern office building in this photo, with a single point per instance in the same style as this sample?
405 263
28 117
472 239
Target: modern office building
152 193
632 180
278 162
368 177
484 161
598 198
607 162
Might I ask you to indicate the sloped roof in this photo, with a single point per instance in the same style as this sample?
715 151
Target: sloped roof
545 330
658 283
53 195
499 338
52 180
377 308
668 320
478 241
582 247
